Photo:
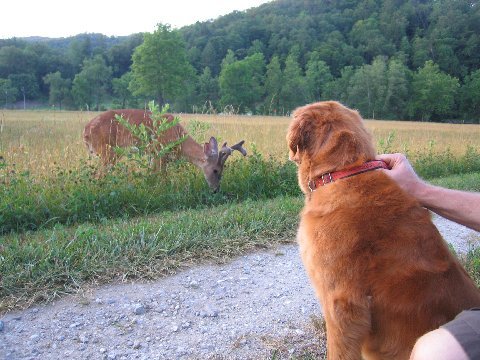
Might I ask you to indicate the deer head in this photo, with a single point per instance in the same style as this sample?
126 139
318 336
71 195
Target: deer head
215 160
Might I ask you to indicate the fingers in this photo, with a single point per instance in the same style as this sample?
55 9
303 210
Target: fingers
392 160
389 159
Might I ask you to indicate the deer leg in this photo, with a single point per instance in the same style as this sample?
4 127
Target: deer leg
109 158
157 164
160 165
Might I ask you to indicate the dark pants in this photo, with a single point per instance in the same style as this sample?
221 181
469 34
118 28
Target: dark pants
466 329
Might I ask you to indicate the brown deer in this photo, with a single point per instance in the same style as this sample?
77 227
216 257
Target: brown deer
104 132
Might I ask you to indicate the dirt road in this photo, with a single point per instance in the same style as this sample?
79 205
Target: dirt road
250 308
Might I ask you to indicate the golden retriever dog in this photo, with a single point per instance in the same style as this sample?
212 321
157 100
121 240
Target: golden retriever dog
380 268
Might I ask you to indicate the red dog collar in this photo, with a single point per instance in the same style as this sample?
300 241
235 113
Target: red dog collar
328 178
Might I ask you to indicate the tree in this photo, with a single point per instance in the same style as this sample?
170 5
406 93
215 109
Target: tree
14 60
213 53
273 86
326 36
47 60
470 97
332 51
59 88
185 101
122 92
318 75
368 87
294 89
421 51
80 48
26 84
241 83
367 37
433 92
91 84
257 47
398 85
120 55
393 20
338 89
451 27
8 92
229 58
160 68
207 88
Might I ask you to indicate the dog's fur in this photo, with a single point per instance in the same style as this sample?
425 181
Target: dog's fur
380 268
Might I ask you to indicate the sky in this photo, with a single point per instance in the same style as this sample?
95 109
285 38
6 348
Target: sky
63 18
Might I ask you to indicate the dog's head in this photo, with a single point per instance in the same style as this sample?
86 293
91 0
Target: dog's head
326 137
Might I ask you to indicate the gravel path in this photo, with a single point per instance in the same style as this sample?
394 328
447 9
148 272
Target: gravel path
250 308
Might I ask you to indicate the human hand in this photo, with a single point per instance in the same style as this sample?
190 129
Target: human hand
402 172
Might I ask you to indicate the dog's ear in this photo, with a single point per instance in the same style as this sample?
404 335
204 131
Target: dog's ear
340 148
299 136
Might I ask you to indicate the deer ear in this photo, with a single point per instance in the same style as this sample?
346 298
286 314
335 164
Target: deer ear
211 148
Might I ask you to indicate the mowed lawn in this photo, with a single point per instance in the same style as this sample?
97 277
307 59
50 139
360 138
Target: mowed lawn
43 141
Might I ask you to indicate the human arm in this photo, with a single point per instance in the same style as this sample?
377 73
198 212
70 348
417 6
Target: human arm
460 206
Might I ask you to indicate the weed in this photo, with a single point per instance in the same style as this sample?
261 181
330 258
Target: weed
148 146
472 263
431 163
385 145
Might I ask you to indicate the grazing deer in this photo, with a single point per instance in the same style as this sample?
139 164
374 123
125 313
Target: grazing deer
104 132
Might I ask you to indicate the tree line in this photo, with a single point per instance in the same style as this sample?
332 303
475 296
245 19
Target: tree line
390 59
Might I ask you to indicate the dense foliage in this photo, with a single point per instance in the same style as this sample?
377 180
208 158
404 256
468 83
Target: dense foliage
397 59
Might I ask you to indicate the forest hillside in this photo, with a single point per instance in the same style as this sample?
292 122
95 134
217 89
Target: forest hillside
391 59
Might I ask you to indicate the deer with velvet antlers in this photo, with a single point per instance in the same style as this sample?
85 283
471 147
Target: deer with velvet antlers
104 132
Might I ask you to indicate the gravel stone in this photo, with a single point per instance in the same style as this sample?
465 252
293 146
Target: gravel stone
139 309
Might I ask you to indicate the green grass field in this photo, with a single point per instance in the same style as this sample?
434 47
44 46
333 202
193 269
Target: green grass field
62 228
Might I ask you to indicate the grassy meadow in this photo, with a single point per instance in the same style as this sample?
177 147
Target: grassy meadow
42 141
62 227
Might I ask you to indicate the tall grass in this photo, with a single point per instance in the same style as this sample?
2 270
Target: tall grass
74 196
435 164
472 264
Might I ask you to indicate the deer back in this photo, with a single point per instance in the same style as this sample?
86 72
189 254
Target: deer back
104 132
